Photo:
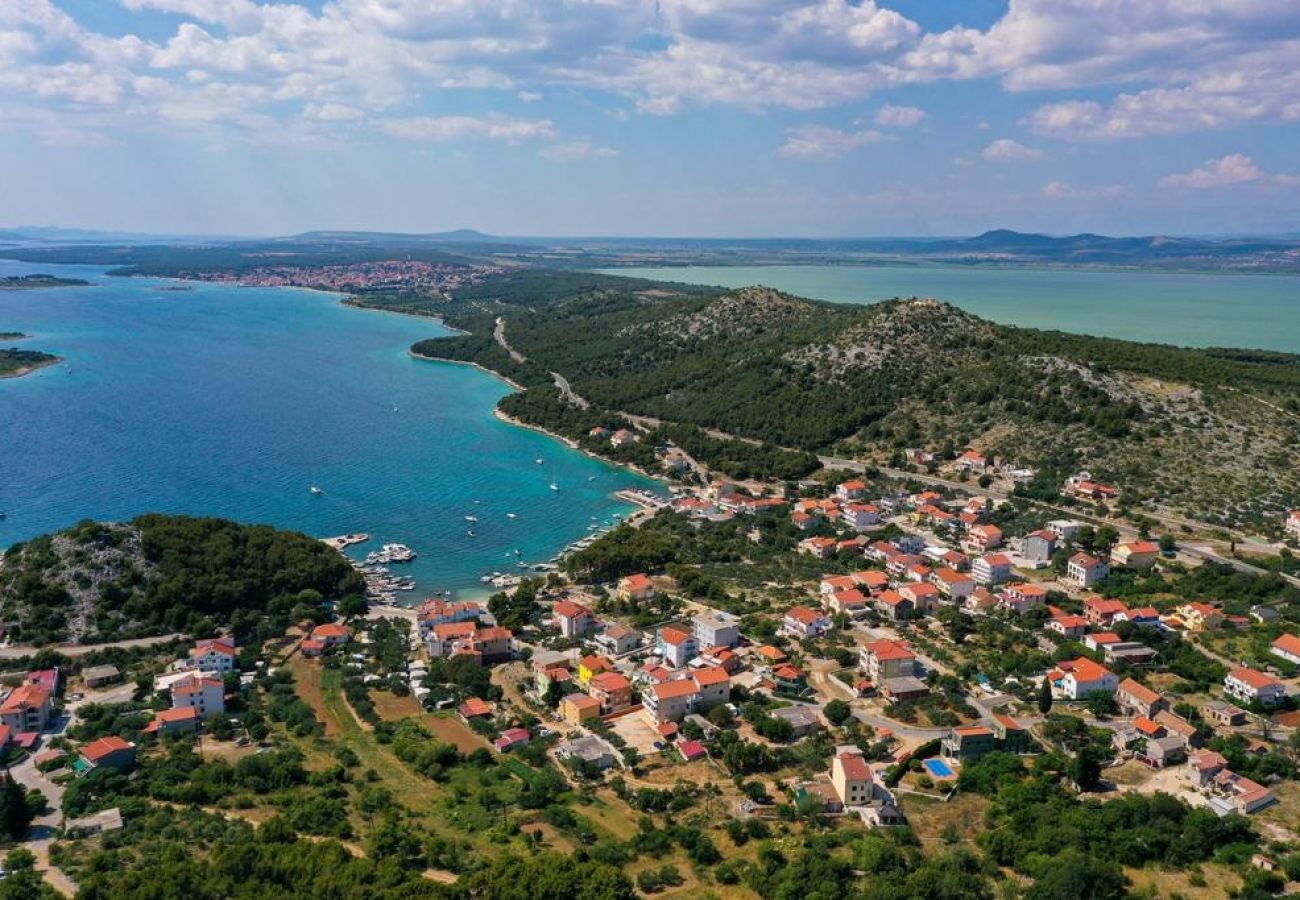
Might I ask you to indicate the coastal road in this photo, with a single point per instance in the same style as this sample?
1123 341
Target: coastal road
566 392
499 333
17 651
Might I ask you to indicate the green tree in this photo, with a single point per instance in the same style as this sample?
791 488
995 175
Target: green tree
1045 696
837 712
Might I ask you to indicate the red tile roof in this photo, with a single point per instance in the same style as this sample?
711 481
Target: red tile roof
97 750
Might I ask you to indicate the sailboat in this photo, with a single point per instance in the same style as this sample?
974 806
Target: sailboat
511 516
316 490
471 518
554 486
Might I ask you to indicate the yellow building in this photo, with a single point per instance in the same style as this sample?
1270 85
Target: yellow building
579 708
591 666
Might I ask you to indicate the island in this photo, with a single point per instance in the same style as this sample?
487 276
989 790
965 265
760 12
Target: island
13 336
38 280
15 363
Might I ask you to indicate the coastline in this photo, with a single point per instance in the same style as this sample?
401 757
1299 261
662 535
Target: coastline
486 371
27 370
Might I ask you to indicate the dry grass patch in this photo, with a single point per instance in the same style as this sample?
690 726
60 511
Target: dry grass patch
1220 881
391 707
929 818
454 732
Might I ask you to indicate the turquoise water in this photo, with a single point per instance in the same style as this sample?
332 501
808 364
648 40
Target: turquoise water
1255 311
938 768
235 401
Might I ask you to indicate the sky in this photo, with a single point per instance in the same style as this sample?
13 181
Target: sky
717 118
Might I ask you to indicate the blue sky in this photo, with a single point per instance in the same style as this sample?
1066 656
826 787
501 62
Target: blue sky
636 117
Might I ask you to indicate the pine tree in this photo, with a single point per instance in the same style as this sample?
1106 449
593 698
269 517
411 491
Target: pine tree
1045 696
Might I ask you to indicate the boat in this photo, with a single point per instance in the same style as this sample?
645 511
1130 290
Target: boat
511 516
539 460
591 477
316 490
517 553
471 518
554 486
470 532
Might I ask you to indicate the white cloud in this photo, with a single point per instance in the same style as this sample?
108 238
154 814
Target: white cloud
1007 150
436 129
821 142
575 151
1057 190
899 116
1233 169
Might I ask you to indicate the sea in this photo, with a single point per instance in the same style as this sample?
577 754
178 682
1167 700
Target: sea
214 399
1189 310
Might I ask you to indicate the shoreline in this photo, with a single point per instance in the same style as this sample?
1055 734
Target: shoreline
484 369
27 370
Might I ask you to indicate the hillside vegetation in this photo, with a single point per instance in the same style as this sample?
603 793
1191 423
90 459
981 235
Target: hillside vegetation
157 574
1206 432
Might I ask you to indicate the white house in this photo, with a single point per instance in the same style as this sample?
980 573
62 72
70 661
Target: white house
213 655
1086 677
803 622
1287 647
207 695
861 516
716 629
1085 570
1251 686
994 568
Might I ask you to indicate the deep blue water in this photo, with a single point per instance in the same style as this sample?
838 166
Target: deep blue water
235 401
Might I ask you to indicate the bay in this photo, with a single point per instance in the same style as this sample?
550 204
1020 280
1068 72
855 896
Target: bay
1190 310
220 400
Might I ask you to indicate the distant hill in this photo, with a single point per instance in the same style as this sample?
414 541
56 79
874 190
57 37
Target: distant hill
459 236
1169 425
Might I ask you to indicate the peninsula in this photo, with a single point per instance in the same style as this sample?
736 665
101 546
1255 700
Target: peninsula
32 282
15 363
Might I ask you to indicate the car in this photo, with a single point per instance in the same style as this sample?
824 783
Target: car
242 742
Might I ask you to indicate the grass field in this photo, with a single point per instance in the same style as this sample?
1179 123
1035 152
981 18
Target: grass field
454 731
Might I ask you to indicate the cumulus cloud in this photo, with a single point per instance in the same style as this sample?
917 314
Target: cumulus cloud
1233 169
1007 150
1057 190
899 116
436 129
822 142
575 151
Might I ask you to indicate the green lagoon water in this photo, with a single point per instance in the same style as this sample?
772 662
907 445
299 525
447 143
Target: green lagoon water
1191 310
230 401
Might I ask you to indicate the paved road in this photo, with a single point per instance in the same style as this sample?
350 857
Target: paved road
499 333
566 392
45 826
17 651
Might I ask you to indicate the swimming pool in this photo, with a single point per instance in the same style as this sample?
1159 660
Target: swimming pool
938 768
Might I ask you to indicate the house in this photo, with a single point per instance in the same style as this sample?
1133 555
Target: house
578 708
1137 699
906 687
574 619
331 634
691 750
1070 626
993 568
511 738
714 686
1230 792
1038 546
820 547
110 751
677 646
185 720
489 645
1064 529
1222 714
612 690
852 603
588 753
213 655
789 680
723 658
851 490
1251 686
1143 615
802 521
26 708
1085 570
831 584
1139 555
636 588
474 708
591 666
893 605
1102 612
1085 677
851 777
968 743
439 612
984 537
1133 653
972 461
201 693
887 659
803 719
98 676
618 639
1179 727
670 701
622 438
446 637
1200 616
716 629
1100 640
1159 752
861 516
1287 647
1203 766
1022 596
1012 736
803 622
953 585
770 655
